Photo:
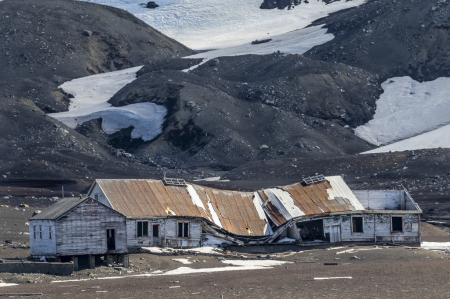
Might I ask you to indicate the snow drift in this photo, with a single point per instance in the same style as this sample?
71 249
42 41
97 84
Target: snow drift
212 24
91 95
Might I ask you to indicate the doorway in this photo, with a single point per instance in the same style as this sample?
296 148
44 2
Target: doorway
335 233
111 239
155 234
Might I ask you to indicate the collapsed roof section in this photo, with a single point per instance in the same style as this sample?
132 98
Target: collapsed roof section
238 213
325 197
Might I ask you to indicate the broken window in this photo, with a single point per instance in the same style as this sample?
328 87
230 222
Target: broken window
40 232
397 224
50 232
142 229
357 223
96 196
183 229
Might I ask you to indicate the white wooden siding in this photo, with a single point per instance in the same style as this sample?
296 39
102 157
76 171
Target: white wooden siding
101 196
375 226
171 235
134 242
380 199
44 246
83 230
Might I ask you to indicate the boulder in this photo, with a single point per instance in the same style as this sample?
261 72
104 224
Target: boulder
152 5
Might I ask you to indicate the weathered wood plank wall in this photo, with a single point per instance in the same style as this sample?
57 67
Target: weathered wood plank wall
83 230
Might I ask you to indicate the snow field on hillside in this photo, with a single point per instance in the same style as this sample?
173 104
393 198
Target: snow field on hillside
434 139
295 42
408 108
91 95
213 24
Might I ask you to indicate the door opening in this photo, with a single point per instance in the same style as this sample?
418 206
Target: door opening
156 234
111 239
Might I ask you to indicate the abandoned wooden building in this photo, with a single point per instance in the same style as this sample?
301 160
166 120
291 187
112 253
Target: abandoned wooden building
76 229
121 216
316 209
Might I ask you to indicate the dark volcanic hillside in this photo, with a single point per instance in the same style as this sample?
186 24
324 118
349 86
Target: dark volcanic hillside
234 110
391 38
47 42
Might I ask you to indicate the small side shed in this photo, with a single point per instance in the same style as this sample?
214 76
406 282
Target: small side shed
76 227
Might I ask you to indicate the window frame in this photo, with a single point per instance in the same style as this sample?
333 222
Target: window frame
40 232
362 224
142 230
403 225
183 224
50 233
34 232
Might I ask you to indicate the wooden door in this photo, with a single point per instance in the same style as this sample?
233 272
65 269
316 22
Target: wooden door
335 233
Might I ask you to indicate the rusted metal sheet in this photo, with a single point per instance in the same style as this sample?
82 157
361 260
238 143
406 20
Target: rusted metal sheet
315 199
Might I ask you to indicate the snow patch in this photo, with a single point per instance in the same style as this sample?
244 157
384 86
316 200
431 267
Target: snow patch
255 263
91 95
194 196
296 42
4 284
216 219
212 24
435 245
408 108
214 242
287 240
183 261
238 265
434 139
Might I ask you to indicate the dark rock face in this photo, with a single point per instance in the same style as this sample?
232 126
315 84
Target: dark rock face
54 41
289 4
152 5
252 107
391 38
71 39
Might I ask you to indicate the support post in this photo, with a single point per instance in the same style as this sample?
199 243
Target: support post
91 259
109 260
126 261
75 263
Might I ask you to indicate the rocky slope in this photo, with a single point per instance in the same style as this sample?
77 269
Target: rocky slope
390 38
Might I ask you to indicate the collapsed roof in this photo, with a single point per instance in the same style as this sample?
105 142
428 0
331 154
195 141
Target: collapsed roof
239 213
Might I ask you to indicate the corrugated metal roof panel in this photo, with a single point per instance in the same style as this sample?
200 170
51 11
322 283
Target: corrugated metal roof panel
237 212
59 208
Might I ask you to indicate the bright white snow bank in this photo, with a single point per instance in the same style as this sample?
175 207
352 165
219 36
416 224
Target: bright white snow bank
212 24
435 245
434 139
4 284
295 42
408 108
91 95
237 265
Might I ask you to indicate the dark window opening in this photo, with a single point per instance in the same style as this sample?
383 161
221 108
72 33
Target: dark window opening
111 239
142 229
397 224
183 229
357 224
311 230
50 232
155 230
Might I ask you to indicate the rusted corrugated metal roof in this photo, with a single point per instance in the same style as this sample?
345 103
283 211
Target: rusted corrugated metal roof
234 211
148 198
